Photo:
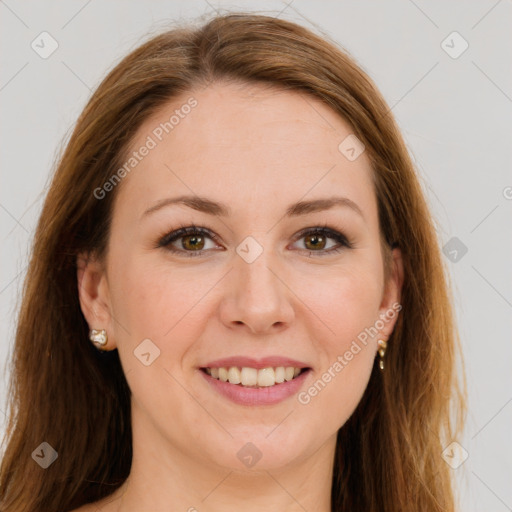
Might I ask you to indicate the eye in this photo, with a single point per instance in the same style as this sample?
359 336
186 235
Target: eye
194 238
315 240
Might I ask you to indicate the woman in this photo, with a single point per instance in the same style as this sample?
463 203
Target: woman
303 359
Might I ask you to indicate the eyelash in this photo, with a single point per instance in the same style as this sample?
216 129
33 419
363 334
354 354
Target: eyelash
183 231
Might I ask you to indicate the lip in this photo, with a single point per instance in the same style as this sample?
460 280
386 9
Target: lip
257 396
241 361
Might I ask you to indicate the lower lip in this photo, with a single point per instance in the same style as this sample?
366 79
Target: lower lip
257 396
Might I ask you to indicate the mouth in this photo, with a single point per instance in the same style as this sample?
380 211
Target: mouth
248 377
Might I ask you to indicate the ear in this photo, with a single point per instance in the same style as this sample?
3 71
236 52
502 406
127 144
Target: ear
94 297
390 305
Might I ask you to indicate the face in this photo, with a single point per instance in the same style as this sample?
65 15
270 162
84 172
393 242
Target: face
268 273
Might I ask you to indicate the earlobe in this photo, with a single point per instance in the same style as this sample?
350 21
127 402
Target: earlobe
93 292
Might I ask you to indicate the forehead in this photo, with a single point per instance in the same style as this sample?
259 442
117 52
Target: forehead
250 144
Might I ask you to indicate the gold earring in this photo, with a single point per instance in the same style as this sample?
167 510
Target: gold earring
382 350
99 338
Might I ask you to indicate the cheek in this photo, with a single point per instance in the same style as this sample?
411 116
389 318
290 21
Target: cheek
161 305
153 301
346 301
348 309
346 304
338 390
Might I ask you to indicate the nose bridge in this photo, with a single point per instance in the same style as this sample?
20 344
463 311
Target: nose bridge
254 268
259 297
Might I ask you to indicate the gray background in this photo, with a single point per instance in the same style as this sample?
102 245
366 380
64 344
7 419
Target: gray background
453 112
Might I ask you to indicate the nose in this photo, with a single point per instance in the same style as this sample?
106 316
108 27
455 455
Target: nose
257 298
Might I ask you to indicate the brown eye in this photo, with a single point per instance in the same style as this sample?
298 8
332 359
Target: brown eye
315 241
193 242
188 241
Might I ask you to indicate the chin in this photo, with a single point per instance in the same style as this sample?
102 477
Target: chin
259 449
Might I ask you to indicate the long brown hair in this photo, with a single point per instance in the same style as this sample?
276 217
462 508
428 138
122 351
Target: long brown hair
63 392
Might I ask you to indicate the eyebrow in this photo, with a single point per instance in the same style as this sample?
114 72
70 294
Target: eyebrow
205 205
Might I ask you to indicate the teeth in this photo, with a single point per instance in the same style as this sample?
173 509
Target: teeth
234 375
266 377
279 374
249 376
252 377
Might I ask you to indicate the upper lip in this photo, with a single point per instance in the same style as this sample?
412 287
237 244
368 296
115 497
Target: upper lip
265 362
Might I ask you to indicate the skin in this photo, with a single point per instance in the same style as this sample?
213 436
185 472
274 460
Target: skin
258 150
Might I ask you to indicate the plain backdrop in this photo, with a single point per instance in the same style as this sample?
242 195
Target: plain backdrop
453 104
